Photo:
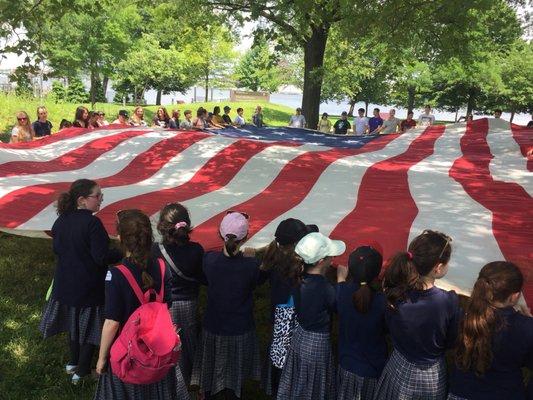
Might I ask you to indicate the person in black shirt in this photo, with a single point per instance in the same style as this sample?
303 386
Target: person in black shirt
76 303
226 117
184 261
309 372
135 232
228 350
342 125
42 127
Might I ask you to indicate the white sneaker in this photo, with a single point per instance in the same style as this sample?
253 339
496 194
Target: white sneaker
70 369
75 379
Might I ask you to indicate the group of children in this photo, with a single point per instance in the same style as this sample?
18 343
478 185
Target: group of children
491 340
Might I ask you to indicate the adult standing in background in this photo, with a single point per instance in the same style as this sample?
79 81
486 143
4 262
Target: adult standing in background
426 118
42 127
375 123
391 124
81 118
297 120
360 123
22 131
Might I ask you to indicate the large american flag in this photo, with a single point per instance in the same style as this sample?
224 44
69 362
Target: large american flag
471 181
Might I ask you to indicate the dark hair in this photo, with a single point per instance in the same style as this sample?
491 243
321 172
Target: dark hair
406 269
364 265
78 116
68 201
427 106
344 113
135 232
216 110
200 112
166 118
410 112
93 119
175 113
169 216
231 244
187 112
325 115
376 109
282 259
498 110
361 109
64 124
239 109
496 282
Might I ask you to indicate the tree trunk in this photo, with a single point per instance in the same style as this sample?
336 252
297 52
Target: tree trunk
206 86
512 115
410 98
313 61
105 82
471 101
158 97
352 106
366 108
456 114
93 87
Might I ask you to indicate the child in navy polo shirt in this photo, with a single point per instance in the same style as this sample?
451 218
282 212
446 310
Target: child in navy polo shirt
228 352
495 341
135 233
361 307
184 261
422 320
76 303
309 372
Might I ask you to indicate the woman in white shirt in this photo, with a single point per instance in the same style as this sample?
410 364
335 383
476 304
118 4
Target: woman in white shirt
22 131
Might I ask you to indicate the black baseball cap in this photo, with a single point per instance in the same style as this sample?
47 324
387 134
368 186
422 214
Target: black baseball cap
291 230
227 108
124 113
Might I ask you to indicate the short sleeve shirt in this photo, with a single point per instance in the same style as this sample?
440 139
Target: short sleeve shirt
390 125
407 124
297 121
42 128
360 124
426 119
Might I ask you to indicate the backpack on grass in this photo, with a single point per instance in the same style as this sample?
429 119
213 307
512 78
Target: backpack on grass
148 345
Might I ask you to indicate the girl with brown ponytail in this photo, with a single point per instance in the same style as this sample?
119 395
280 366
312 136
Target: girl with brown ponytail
184 261
361 308
135 234
76 303
422 320
495 341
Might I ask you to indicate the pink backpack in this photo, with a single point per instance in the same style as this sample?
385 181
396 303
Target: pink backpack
148 345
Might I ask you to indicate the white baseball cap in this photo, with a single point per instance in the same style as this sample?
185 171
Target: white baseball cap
315 246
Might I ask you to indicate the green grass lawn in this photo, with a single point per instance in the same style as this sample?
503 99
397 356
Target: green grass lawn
274 114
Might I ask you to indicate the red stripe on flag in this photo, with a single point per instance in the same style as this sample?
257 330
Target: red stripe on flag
286 191
64 134
216 173
30 200
74 159
385 209
524 137
510 204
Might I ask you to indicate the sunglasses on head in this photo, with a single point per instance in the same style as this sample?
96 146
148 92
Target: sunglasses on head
99 196
238 212
447 238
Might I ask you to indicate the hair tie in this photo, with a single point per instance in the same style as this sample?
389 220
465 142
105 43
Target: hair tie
363 283
361 257
409 255
181 224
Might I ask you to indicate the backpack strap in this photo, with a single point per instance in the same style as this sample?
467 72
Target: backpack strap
132 282
160 296
172 265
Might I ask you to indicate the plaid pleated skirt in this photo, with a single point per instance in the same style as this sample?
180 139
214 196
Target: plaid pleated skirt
83 324
454 397
225 362
354 387
185 315
172 387
309 371
402 379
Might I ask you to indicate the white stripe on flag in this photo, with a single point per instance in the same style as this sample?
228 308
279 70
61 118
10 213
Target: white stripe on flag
175 172
443 205
107 164
334 195
508 164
